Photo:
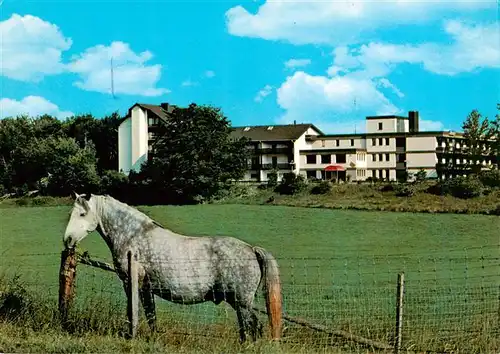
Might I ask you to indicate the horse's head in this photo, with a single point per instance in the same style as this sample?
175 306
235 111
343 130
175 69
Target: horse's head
82 221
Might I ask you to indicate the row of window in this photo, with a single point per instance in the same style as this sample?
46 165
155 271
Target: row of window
380 141
336 143
312 160
375 142
341 158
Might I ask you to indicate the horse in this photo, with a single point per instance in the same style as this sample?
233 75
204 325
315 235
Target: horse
179 268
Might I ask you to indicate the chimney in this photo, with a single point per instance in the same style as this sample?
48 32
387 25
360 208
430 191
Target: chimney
413 121
165 106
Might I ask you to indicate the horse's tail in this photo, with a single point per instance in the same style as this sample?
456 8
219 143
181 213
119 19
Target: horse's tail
272 290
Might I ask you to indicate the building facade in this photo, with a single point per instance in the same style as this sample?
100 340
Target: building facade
392 148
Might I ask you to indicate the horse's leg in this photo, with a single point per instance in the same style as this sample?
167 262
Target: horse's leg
248 321
148 303
253 323
242 321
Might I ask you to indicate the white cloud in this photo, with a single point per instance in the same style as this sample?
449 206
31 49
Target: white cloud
263 93
131 74
357 81
31 105
338 22
472 47
383 82
31 48
297 63
209 74
332 99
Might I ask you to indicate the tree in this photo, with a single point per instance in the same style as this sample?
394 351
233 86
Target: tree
476 132
70 167
103 133
194 156
495 134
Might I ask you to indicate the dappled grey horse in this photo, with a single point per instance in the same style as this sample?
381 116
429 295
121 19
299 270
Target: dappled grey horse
178 268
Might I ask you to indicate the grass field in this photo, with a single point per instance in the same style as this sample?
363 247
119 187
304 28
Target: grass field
339 269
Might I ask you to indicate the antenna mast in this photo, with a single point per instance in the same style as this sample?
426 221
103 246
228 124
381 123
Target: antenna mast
355 111
112 80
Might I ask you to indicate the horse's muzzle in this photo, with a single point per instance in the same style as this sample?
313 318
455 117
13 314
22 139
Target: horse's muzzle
69 242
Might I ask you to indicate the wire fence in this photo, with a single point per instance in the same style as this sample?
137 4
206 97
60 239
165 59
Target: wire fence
451 298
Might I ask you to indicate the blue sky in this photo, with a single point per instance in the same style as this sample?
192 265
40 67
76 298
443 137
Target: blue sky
328 63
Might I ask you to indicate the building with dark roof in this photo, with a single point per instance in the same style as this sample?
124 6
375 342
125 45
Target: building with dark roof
392 148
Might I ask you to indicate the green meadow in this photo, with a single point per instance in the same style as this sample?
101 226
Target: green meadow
339 269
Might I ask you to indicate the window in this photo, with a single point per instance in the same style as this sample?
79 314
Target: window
387 157
275 161
253 176
374 142
150 135
361 173
322 143
337 142
401 158
387 174
340 158
374 157
380 141
311 159
360 157
352 142
326 158
380 125
381 157
387 141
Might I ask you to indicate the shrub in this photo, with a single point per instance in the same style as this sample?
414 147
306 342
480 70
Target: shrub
490 178
421 175
404 190
39 201
495 211
272 179
322 188
436 188
23 201
387 188
113 183
463 187
291 184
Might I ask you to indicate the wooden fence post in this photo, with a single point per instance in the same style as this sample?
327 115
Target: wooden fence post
399 312
133 295
67 275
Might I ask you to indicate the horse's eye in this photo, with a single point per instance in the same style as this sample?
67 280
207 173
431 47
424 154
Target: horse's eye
82 214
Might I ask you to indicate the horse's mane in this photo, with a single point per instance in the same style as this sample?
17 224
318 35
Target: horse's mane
143 218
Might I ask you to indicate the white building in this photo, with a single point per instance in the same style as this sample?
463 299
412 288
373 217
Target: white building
392 148
137 131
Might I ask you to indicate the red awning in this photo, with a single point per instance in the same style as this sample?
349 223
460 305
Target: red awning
334 168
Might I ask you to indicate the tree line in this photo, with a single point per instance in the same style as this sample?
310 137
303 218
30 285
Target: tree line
195 158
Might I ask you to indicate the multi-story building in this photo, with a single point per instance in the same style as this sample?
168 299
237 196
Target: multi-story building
275 147
137 132
392 148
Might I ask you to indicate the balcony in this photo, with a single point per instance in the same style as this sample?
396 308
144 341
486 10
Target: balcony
279 166
287 150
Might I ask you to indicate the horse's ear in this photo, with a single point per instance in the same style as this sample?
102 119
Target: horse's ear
76 195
